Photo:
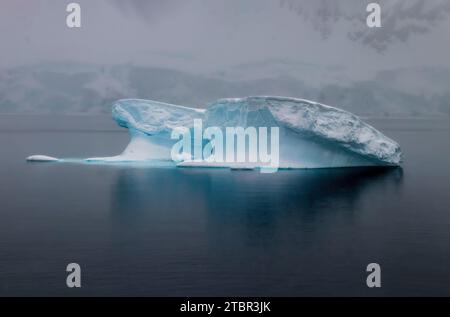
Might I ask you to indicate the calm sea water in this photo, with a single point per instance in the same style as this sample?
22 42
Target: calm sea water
207 232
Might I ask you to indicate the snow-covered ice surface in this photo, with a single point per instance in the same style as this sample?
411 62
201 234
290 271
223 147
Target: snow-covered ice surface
312 135
153 117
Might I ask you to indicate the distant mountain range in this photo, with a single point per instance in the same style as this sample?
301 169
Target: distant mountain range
74 88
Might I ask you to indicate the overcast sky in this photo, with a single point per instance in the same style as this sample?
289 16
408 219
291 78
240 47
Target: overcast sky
212 35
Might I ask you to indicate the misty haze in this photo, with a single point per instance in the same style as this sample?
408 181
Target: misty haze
192 53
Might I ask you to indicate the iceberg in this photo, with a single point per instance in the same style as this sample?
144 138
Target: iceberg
312 135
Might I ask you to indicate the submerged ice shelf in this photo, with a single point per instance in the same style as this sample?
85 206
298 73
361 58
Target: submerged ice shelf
311 135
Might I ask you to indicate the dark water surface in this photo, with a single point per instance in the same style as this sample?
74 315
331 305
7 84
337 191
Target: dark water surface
187 232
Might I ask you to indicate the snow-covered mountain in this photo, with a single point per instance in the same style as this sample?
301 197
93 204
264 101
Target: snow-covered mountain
76 88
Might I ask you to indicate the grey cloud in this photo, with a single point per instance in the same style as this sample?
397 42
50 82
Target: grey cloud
401 19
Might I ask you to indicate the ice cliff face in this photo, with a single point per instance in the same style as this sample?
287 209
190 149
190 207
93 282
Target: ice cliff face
312 135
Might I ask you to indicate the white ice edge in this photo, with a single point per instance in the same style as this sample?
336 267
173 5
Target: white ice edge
42 158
